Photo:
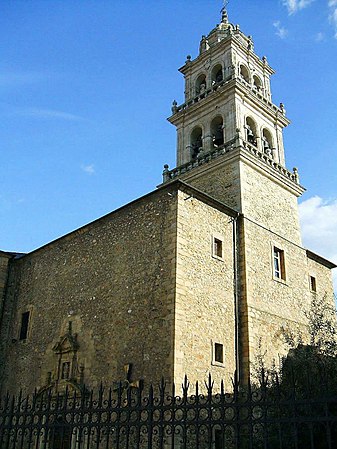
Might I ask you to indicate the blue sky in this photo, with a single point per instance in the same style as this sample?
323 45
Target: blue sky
86 86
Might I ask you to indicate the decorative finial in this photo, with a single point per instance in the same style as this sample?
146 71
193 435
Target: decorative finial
166 175
283 109
224 14
296 176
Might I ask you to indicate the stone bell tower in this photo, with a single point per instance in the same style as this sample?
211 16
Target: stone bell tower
228 125
227 90
230 146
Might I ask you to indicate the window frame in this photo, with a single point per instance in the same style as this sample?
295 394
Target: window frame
217 238
21 313
214 361
313 283
279 256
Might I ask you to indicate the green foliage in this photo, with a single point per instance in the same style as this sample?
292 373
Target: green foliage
310 366
323 326
302 393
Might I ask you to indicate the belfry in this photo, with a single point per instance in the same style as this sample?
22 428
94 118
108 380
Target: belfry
228 103
199 276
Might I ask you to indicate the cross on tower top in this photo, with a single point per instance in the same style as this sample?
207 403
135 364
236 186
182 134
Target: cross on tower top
224 14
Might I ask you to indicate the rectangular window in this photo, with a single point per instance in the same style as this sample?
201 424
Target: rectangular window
312 282
279 266
218 352
24 326
217 249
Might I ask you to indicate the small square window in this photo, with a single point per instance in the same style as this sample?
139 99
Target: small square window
24 326
312 283
217 248
218 353
279 265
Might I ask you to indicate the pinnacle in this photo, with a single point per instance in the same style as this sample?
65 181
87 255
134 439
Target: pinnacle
224 16
224 13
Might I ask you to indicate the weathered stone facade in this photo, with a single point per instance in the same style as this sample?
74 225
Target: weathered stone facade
204 303
230 145
140 286
197 277
114 280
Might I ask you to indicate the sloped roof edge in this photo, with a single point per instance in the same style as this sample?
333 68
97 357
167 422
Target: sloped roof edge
174 185
10 254
321 260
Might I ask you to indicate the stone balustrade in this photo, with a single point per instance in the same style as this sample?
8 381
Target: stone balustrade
293 176
169 175
202 159
200 96
216 86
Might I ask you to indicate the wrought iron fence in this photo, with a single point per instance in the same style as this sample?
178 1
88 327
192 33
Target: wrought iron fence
205 418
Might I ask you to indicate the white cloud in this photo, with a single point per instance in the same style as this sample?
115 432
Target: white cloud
90 169
296 5
319 228
281 32
333 14
46 114
319 37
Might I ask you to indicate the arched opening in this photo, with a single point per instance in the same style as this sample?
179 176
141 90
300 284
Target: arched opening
251 133
257 82
244 73
217 74
196 142
217 132
267 142
200 84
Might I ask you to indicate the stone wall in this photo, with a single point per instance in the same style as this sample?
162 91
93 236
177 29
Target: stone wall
273 304
270 219
323 276
269 203
205 295
4 263
276 305
114 280
219 179
142 286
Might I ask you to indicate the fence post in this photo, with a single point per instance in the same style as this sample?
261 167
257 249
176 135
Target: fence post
150 419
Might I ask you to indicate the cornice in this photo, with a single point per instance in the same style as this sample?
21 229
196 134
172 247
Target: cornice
260 162
206 99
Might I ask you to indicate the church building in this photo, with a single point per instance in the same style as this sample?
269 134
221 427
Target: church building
199 276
